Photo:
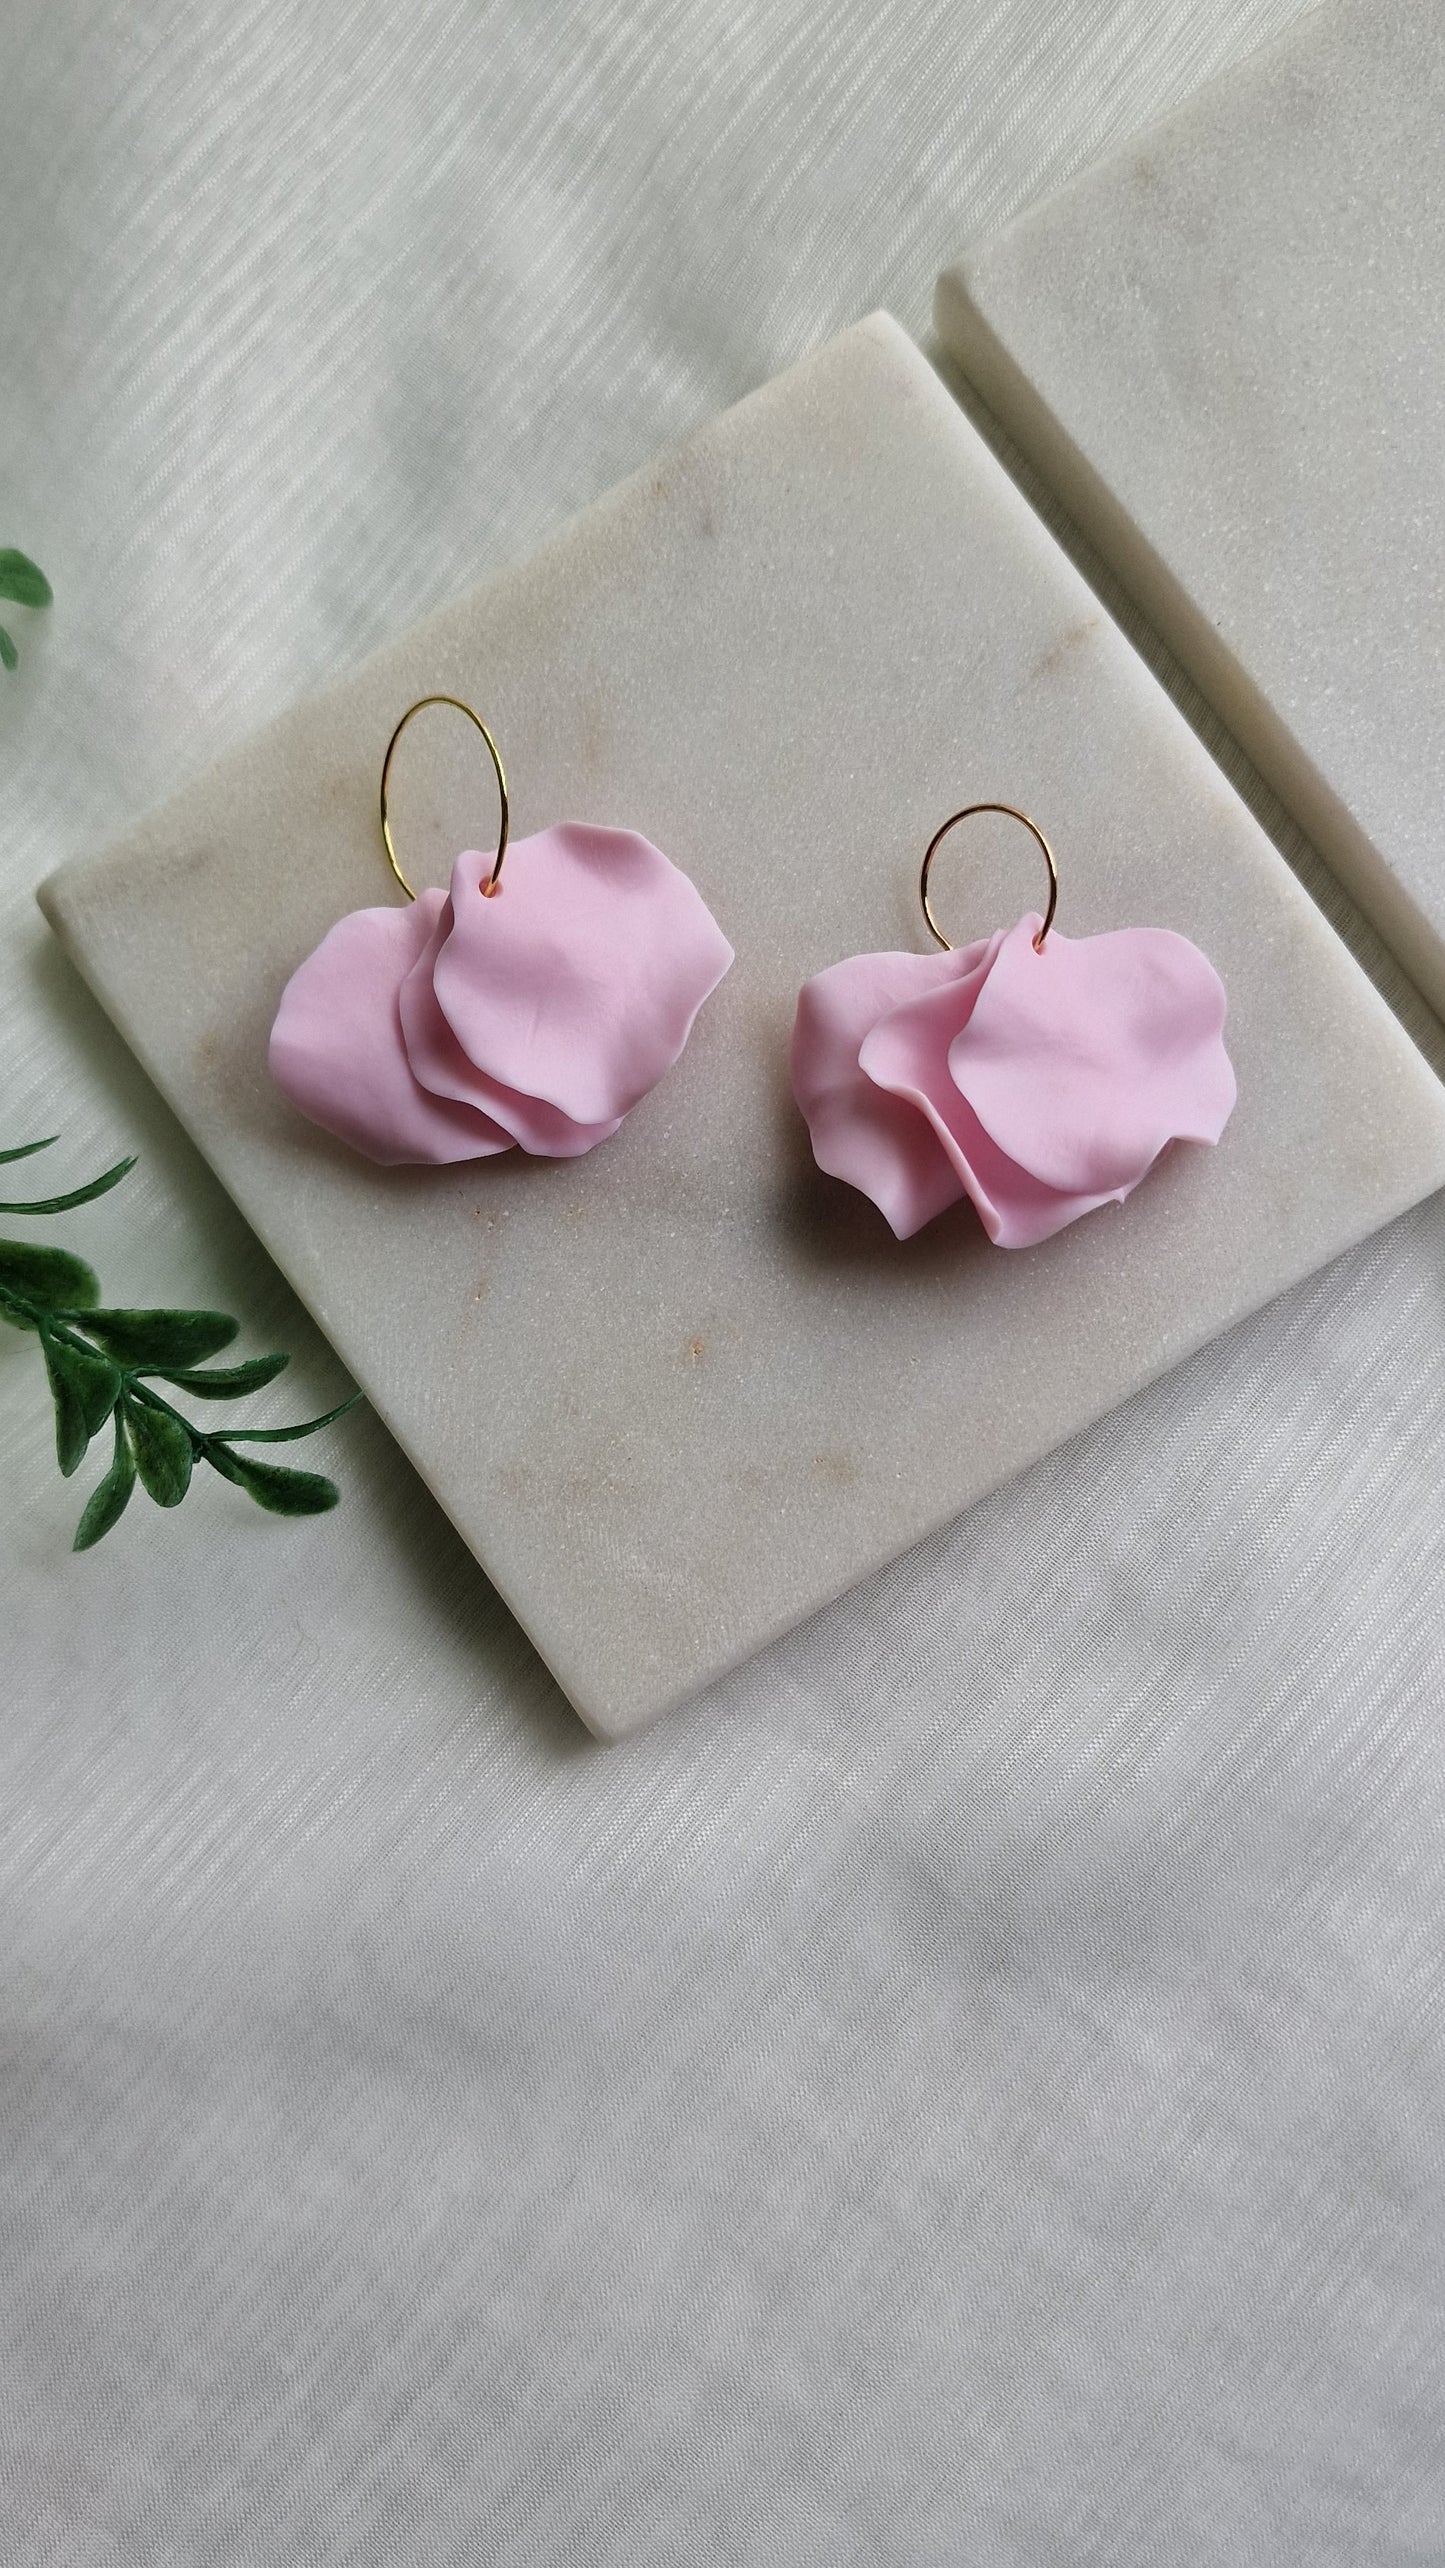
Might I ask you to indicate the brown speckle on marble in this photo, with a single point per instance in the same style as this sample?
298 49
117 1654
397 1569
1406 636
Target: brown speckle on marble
1059 651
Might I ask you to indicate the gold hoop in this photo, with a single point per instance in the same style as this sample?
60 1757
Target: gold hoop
493 881
1012 812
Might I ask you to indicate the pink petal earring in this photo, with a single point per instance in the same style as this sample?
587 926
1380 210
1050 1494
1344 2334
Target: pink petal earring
1038 1074
485 1017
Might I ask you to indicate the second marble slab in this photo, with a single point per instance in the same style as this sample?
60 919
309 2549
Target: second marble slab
1223 349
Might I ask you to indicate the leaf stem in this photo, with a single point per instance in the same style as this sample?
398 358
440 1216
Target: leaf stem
202 1438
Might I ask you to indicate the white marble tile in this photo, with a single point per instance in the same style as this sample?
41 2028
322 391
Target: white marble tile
1224 350
680 1393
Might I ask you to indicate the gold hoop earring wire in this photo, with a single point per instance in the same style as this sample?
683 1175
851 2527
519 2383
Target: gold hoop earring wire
493 882
1011 812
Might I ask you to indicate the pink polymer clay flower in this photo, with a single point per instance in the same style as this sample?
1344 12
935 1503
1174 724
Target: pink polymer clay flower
464 1025
1039 1083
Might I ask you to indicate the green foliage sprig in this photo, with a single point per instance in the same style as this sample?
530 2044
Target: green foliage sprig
103 1365
22 580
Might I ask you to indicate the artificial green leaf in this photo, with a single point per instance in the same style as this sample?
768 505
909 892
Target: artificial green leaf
107 1501
77 1195
163 1451
84 1387
49 1277
98 1381
100 1361
8 652
23 579
156 1338
284 1435
229 1381
285 1493
71 1432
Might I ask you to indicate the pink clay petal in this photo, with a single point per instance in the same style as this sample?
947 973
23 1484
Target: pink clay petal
578 983
438 1061
337 1052
877 1143
1085 1060
907 1056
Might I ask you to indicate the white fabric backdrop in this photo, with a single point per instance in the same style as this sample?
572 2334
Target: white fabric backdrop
970 2090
